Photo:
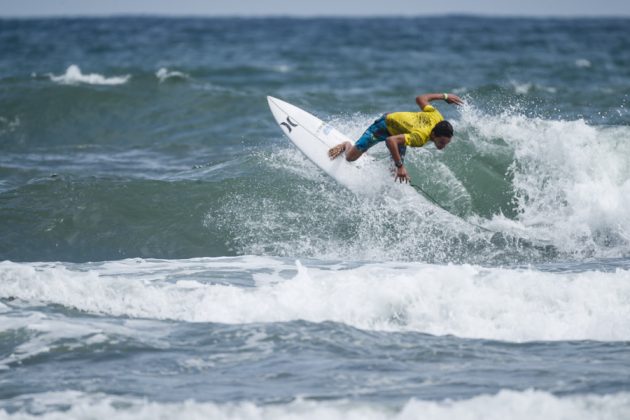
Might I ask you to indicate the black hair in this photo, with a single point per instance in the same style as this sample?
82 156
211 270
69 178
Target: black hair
443 129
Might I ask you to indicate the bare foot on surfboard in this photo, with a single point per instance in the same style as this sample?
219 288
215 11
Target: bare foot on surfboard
336 151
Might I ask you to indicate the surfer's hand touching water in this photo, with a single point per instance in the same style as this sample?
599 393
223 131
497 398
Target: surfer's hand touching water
394 144
402 175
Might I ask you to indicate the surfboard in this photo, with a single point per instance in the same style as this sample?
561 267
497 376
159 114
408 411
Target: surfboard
314 138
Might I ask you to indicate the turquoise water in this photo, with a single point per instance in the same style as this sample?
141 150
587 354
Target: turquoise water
167 252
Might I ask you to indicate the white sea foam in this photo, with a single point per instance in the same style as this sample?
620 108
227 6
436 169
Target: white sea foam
582 63
165 74
463 300
73 76
572 179
503 405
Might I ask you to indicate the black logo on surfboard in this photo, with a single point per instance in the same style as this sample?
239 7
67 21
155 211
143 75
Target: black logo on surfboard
289 124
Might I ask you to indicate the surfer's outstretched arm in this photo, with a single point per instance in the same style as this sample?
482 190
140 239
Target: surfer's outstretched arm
393 143
450 98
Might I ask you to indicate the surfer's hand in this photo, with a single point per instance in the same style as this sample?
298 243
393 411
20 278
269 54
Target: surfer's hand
402 175
454 99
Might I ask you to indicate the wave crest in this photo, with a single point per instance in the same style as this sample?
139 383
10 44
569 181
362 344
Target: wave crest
73 76
466 301
529 404
165 74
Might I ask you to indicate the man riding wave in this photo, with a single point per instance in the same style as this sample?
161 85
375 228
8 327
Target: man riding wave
401 129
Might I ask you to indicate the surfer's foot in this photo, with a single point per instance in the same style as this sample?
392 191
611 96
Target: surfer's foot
336 151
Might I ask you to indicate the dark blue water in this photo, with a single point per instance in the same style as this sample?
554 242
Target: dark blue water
167 252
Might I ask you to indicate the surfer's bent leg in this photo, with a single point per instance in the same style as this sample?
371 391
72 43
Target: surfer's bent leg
353 153
374 134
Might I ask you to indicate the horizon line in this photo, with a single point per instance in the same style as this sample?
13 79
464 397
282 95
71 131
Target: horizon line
311 16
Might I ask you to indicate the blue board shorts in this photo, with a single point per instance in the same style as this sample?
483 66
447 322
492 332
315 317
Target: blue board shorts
374 134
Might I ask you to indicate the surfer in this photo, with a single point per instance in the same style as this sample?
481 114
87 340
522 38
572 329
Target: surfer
401 129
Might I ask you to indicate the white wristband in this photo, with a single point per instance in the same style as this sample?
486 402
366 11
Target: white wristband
446 96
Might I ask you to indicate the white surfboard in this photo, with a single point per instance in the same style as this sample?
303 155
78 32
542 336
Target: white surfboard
314 138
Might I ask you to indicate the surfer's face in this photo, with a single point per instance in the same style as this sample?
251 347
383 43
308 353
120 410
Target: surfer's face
441 142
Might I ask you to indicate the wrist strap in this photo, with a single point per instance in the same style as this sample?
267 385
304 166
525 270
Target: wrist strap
446 96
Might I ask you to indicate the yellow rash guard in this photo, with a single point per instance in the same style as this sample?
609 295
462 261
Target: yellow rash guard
416 126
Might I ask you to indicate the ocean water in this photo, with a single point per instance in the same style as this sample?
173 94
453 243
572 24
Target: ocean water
166 253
